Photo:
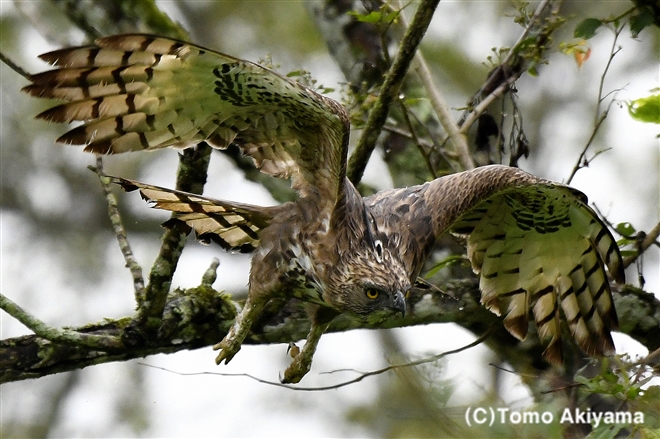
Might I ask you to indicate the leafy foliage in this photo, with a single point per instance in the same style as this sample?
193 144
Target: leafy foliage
587 28
646 109
626 382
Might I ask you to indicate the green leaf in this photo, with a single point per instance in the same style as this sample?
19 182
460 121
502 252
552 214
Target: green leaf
295 73
371 17
587 28
632 393
412 101
375 17
646 109
639 21
389 18
626 229
582 380
524 44
650 396
605 431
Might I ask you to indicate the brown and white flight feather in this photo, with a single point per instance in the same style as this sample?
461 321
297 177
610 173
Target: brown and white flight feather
142 92
536 246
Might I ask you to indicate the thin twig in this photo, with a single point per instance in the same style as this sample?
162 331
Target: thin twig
483 105
561 388
415 139
537 14
120 232
513 372
613 51
650 359
15 67
57 335
457 138
342 384
468 120
408 135
645 364
599 117
580 163
390 89
650 239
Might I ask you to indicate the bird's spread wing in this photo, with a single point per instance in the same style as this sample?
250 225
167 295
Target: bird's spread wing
234 226
137 92
535 245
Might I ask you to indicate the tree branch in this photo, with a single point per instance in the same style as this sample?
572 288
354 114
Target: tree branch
456 136
360 50
506 73
120 232
390 89
599 117
58 335
457 139
191 177
356 46
483 105
201 316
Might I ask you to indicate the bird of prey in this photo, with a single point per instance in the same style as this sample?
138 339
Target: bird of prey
538 248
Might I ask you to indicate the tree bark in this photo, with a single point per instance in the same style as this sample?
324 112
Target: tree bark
199 317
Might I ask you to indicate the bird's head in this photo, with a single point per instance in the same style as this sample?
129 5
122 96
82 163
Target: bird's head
368 280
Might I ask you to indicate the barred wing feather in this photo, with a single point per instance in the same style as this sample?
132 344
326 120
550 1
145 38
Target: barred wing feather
141 92
233 226
536 246
542 247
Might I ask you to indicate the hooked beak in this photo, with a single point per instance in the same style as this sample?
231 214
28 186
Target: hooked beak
399 303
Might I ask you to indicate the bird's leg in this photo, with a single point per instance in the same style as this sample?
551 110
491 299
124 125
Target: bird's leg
302 362
231 344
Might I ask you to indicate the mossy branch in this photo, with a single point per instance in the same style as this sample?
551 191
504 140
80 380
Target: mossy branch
58 335
191 177
200 316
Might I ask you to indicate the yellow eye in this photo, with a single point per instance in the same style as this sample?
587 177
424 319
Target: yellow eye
372 293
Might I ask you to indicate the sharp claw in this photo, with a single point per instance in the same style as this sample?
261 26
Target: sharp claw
296 370
231 344
226 355
227 351
293 350
221 356
291 377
